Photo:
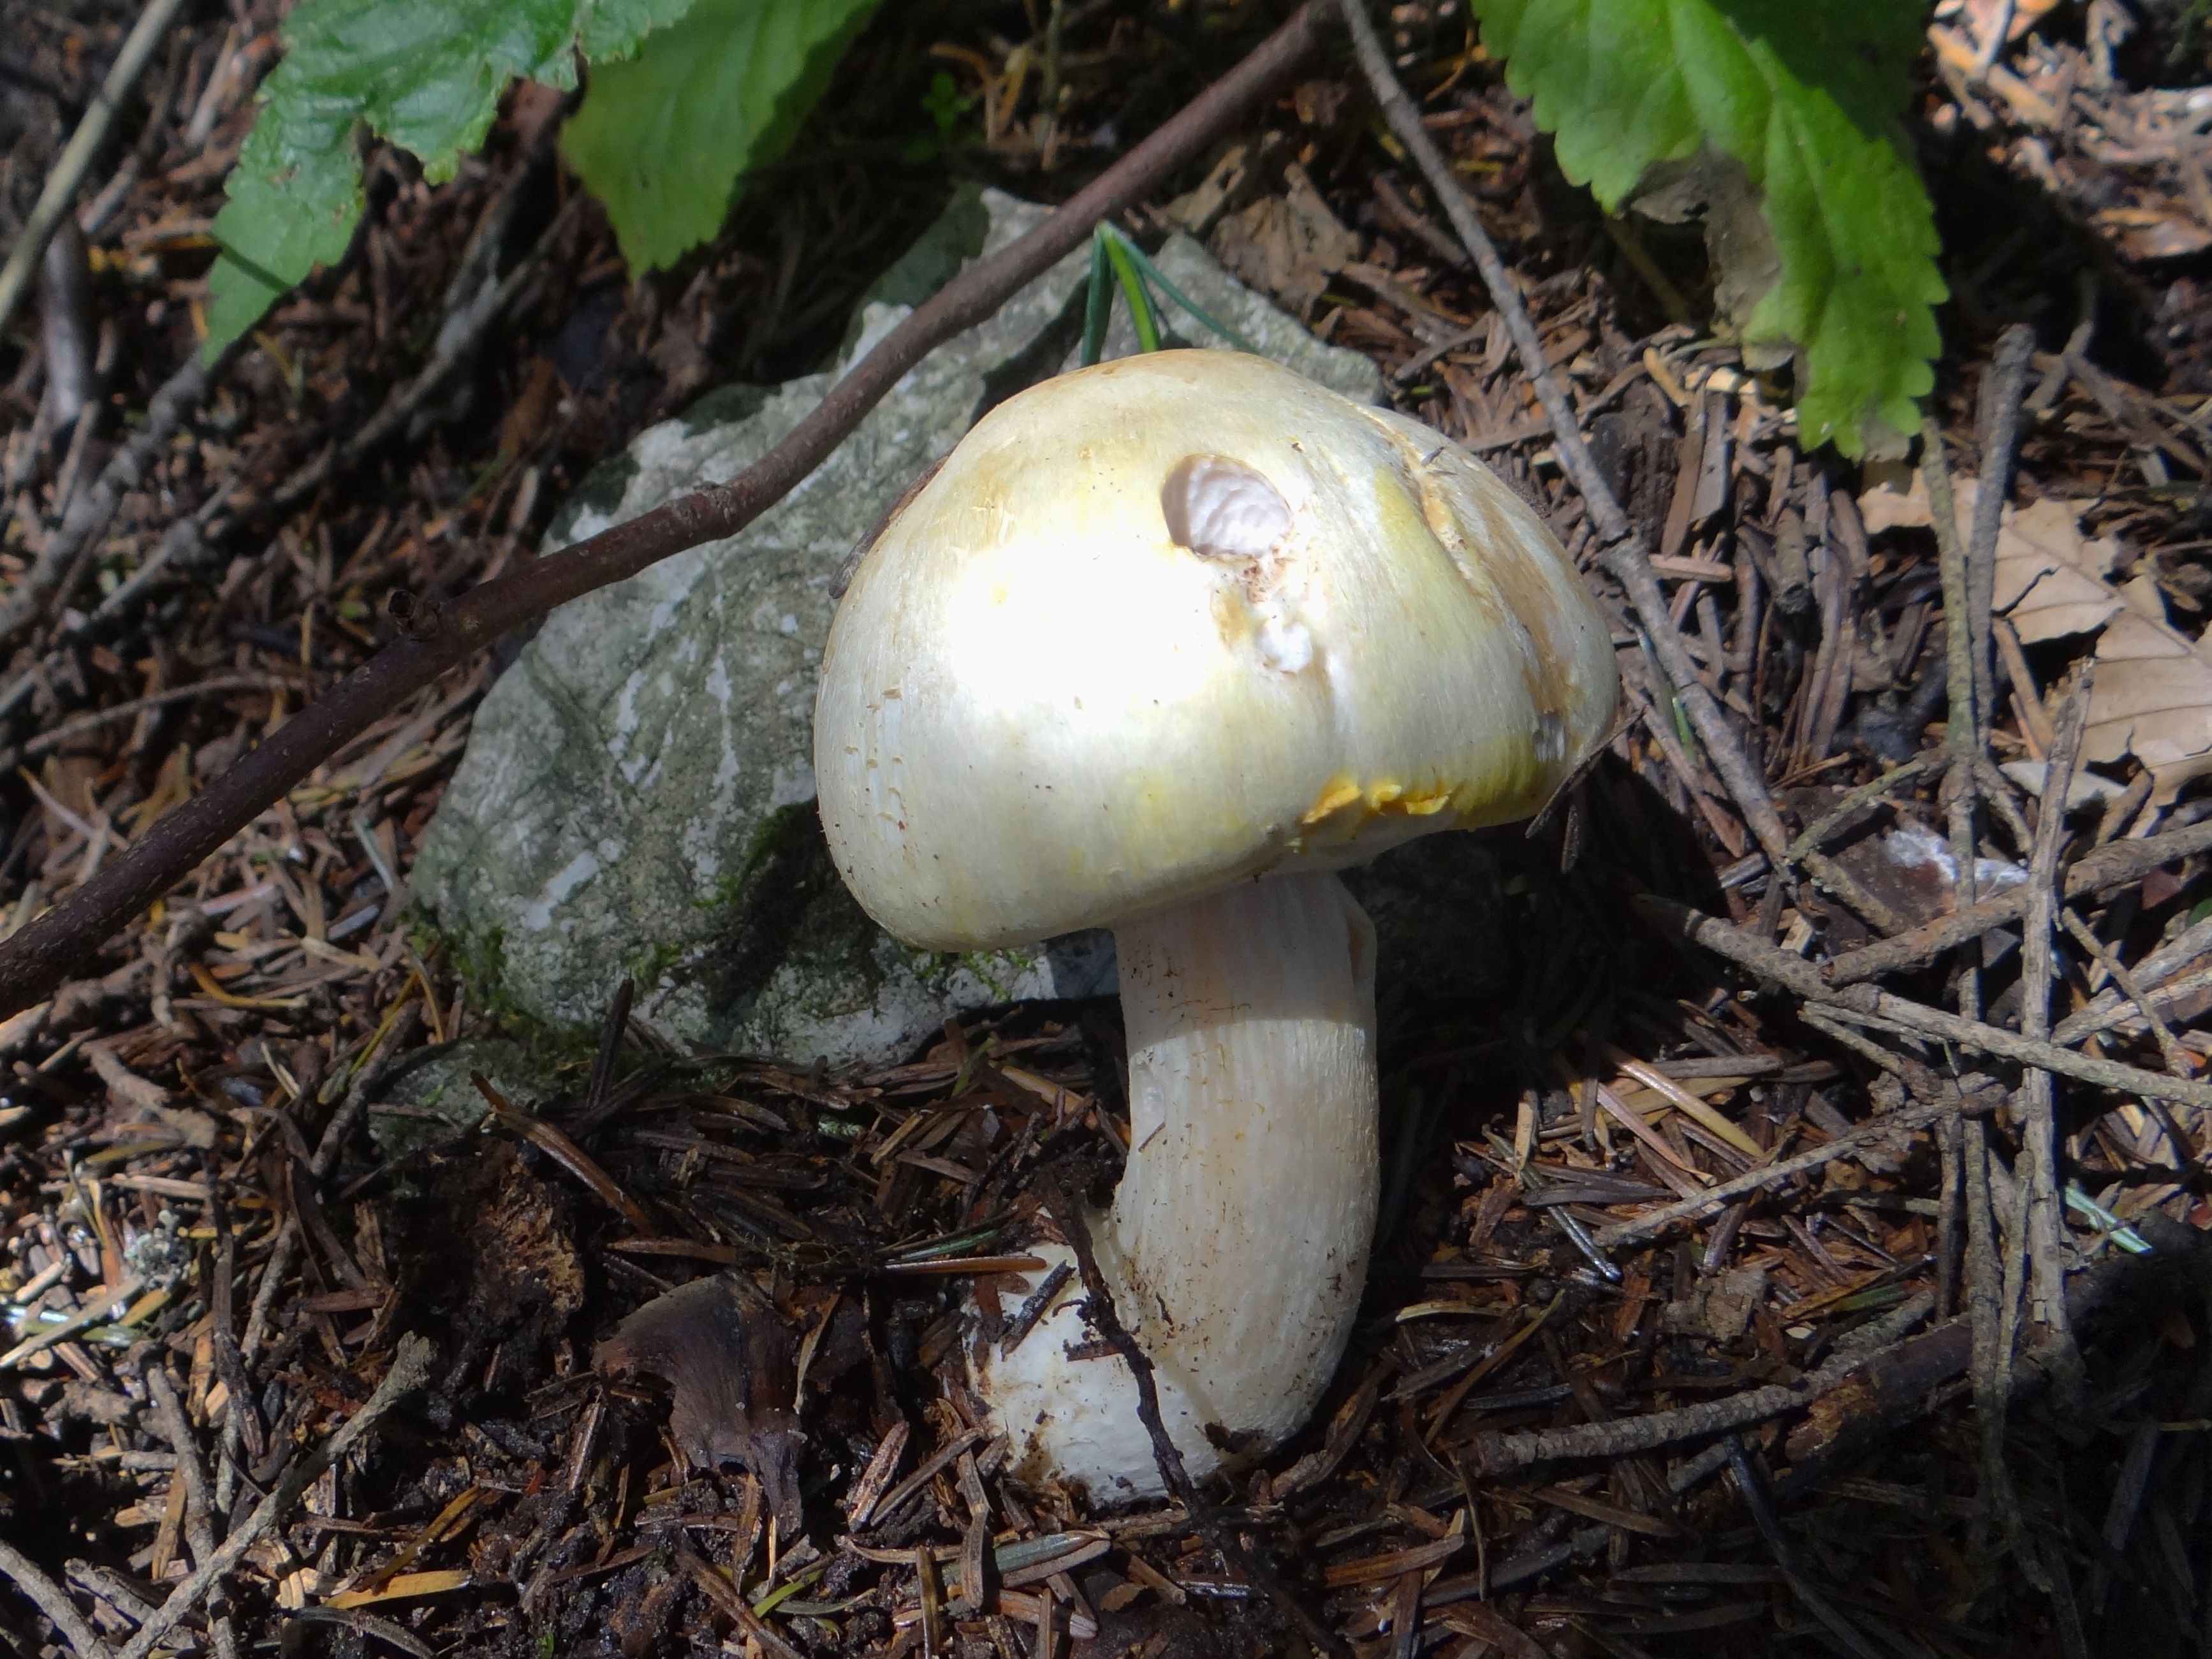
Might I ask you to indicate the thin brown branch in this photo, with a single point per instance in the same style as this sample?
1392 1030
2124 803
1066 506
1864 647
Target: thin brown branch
1817 832
2113 865
1863 902
451 355
717 1589
2045 1219
1496 1453
1752 1486
45 585
2162 974
1864 1004
1647 1227
1950 1144
1989 1356
390 1040
43 953
108 1307
61 185
2004 390
2137 993
169 1411
70 730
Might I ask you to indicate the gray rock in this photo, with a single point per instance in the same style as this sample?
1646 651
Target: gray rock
637 794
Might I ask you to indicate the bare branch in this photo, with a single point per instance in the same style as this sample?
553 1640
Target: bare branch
410 1365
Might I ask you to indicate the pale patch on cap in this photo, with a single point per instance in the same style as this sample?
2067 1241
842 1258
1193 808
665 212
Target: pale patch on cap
1223 509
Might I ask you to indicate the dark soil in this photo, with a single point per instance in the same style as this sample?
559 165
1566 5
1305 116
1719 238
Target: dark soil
189 1117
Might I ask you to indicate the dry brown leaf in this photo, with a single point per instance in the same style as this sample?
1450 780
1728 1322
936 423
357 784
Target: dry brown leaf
2153 696
1910 870
728 1354
1288 245
1197 210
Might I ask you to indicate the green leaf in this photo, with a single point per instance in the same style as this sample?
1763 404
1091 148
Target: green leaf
615 28
663 140
426 74
294 196
1780 118
944 103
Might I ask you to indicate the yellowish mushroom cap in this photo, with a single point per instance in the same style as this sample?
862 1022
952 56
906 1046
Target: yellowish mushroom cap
1180 619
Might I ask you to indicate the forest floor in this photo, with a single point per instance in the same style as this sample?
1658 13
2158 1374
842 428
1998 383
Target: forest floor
1798 1395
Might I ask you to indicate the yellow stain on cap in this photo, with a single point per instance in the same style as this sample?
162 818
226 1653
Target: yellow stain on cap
1352 806
1345 807
1421 806
1338 792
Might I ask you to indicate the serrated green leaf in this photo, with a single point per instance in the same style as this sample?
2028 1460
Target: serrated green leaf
663 139
614 28
426 74
1804 98
294 196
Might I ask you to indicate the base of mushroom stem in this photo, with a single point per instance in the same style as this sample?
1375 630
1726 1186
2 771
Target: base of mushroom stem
1074 1419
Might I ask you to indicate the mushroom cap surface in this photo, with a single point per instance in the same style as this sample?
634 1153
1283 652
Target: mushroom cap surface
1183 618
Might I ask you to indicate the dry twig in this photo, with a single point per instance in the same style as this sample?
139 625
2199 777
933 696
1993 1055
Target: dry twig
1989 1359
2045 1220
451 355
52 1599
410 1365
70 730
1495 1453
2113 865
170 1411
61 185
58 564
1863 1005
1645 1228
2004 390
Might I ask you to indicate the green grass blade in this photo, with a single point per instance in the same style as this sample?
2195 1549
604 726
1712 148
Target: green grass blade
1098 309
1152 274
1133 285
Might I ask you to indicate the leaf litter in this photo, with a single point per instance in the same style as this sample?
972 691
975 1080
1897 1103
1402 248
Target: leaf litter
2153 696
1563 1411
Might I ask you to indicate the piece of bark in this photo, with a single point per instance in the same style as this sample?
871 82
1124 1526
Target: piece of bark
730 1357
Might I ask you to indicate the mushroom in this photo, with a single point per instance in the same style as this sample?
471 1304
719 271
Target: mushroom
1162 646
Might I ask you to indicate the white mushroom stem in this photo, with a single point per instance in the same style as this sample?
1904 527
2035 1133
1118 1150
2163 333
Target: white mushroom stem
1236 1246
